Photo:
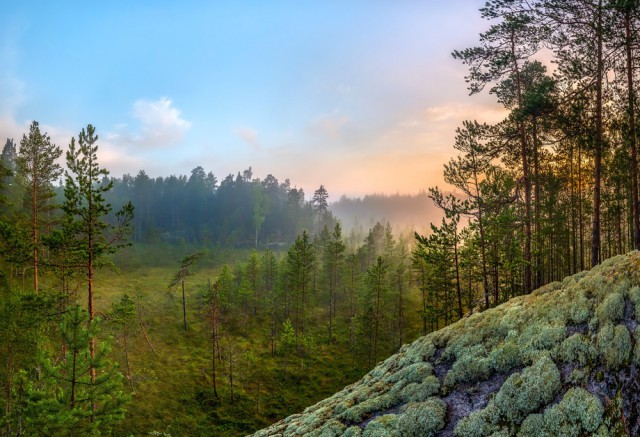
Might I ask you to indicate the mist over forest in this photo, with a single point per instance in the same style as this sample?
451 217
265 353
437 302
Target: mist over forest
405 212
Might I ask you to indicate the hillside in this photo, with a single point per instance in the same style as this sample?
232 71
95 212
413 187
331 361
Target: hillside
560 361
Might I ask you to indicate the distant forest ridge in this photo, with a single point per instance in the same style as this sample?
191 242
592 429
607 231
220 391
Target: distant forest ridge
242 210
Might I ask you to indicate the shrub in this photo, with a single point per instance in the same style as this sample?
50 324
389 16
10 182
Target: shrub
423 418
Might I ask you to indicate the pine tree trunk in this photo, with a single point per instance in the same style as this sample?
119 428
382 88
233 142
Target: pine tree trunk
184 307
595 229
632 131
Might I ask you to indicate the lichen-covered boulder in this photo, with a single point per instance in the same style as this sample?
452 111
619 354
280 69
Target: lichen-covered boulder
562 361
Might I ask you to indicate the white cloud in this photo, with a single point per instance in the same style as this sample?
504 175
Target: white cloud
249 136
161 125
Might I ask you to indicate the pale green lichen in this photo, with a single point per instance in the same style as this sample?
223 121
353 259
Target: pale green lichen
418 392
611 309
361 411
332 428
382 426
470 367
523 393
580 311
614 345
636 348
526 331
577 349
479 423
416 372
634 297
422 418
505 357
352 431
578 413
539 337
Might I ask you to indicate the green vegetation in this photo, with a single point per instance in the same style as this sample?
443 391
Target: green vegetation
283 307
517 369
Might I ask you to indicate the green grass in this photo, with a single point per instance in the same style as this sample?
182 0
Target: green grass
173 386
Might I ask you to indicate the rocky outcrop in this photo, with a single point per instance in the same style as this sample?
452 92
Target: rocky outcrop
560 361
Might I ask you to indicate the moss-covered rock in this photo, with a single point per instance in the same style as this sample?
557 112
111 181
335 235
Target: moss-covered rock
538 365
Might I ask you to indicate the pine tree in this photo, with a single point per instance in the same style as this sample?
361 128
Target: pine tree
80 395
37 166
85 211
180 278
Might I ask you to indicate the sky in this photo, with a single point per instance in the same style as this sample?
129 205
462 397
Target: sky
360 96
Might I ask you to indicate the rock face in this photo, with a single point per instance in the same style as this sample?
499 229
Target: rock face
561 361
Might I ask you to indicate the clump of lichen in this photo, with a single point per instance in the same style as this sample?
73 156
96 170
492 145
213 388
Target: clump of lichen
611 309
614 344
578 413
422 419
577 349
382 426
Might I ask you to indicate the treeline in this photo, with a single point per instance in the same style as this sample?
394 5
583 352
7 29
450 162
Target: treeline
551 189
239 211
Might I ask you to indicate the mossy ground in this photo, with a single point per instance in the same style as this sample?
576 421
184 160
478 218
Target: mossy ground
560 361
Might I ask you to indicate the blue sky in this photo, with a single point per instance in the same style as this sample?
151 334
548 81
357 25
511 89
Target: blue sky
361 96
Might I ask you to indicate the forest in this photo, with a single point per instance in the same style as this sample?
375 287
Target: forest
188 305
